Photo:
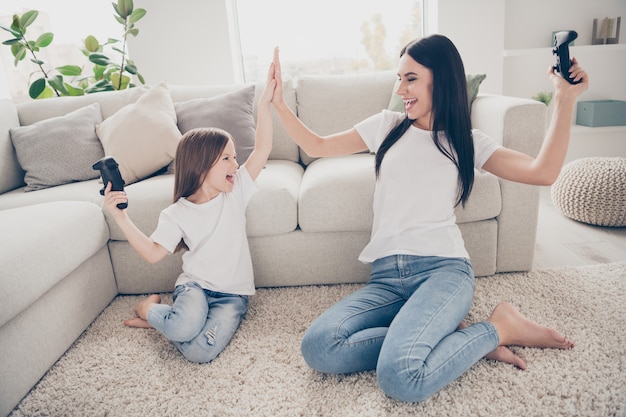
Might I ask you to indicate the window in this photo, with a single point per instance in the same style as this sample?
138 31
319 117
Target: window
325 36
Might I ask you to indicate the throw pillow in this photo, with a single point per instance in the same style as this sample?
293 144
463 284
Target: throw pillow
59 150
473 83
232 111
142 136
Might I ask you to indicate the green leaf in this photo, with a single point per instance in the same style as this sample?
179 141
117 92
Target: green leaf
47 93
118 50
28 18
122 7
98 71
37 87
91 43
44 39
73 91
16 25
13 32
58 84
137 15
133 32
37 61
19 55
131 69
99 59
70 70
120 20
140 77
115 80
11 41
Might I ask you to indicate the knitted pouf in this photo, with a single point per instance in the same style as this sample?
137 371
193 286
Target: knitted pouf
593 191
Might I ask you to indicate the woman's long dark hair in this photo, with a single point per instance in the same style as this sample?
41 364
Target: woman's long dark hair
450 110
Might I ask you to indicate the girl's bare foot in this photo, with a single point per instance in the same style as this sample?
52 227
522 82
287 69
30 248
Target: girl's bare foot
137 322
515 329
141 309
144 305
502 354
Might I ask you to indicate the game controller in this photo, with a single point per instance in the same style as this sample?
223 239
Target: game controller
561 41
110 172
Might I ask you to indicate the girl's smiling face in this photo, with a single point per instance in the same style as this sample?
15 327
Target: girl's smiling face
416 89
221 176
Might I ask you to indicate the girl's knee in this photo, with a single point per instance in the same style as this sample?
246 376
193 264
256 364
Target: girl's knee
312 349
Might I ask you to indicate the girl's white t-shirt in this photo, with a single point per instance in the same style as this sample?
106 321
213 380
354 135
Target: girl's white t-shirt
416 192
218 258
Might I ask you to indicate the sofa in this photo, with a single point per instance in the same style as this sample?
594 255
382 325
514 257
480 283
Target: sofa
64 259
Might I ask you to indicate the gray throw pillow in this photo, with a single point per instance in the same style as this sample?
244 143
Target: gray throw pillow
473 83
232 111
59 150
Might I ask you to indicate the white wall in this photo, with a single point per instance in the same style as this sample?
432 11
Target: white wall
185 42
477 29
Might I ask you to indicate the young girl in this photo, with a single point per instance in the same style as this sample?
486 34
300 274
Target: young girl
207 219
406 323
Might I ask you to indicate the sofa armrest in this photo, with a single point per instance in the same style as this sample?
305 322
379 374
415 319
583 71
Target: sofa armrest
519 124
11 174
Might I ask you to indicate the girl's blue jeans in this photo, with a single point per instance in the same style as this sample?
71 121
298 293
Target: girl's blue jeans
403 324
200 322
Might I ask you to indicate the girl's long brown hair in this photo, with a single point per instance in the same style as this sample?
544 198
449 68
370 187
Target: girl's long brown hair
197 152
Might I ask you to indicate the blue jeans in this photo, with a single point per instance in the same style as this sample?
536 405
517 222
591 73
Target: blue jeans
200 323
403 324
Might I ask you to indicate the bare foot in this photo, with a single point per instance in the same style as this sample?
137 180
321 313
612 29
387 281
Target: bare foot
515 329
502 354
137 322
144 305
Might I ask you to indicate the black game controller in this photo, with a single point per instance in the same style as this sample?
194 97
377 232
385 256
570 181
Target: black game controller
110 172
561 43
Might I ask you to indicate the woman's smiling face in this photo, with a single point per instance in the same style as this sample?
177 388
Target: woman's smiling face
416 90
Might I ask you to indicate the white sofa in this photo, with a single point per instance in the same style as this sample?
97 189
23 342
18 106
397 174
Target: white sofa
64 259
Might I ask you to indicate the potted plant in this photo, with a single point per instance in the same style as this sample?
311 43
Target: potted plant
107 74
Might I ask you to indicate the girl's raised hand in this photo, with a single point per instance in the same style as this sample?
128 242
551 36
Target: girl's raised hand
270 86
277 76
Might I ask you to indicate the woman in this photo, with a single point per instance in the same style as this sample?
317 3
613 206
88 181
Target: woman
406 323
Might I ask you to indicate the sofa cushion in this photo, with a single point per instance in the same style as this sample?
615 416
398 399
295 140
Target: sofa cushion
11 174
75 191
332 103
142 136
230 111
47 242
274 209
43 148
337 193
485 201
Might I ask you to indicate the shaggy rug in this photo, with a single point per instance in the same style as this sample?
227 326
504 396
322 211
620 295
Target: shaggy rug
112 370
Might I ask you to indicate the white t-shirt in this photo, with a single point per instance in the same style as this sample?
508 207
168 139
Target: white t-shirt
415 192
218 258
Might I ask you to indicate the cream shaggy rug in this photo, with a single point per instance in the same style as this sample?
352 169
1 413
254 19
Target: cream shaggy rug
112 370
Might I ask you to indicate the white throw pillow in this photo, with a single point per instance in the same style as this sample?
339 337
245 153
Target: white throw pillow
142 136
